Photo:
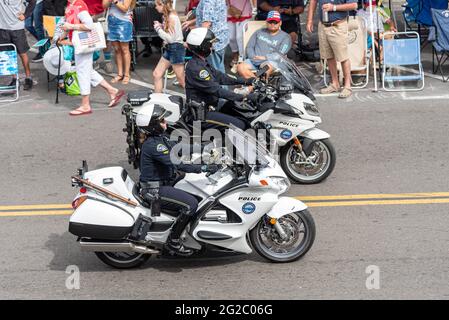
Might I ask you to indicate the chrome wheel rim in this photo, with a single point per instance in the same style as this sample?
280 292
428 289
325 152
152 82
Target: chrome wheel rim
311 168
272 244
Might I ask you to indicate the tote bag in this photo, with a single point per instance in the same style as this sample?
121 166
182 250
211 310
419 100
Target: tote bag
89 41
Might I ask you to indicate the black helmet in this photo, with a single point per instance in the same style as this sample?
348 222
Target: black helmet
149 119
200 41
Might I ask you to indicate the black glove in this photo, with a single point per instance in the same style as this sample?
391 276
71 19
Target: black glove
253 97
250 81
210 168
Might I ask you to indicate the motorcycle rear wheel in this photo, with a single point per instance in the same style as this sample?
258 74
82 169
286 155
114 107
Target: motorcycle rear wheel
267 243
123 260
324 161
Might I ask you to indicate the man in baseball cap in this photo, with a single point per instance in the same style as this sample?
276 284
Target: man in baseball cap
264 42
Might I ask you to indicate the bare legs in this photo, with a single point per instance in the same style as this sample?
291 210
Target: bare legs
159 71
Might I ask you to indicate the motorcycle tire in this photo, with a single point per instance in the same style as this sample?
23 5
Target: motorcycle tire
126 261
304 247
302 179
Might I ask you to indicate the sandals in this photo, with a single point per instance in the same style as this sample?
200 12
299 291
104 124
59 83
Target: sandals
117 78
345 93
125 79
79 112
328 90
116 99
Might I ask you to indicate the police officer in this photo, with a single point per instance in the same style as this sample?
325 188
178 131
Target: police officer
203 82
158 172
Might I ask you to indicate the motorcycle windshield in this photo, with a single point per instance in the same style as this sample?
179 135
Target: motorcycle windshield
246 147
290 71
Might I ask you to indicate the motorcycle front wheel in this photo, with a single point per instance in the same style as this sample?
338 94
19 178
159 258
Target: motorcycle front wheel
123 260
313 169
300 230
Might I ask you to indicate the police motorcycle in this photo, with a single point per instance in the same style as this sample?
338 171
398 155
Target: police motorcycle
285 106
241 208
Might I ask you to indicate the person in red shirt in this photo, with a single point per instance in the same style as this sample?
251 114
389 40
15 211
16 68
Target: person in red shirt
78 18
95 7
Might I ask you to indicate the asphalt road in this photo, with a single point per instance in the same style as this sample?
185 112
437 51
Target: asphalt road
387 143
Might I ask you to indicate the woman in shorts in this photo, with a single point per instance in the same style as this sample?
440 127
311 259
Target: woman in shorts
174 52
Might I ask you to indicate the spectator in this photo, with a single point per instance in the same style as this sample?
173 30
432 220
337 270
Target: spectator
212 14
34 25
239 11
12 30
171 32
55 8
380 18
120 24
264 42
289 10
77 17
97 11
333 38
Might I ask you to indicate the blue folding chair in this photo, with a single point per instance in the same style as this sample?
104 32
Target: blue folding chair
399 55
425 16
440 41
411 12
9 67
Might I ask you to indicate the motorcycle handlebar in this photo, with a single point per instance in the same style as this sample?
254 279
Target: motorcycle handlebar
262 71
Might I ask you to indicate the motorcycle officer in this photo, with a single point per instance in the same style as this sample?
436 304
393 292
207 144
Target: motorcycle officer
203 82
157 174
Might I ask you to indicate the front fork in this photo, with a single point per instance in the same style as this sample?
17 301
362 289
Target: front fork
304 148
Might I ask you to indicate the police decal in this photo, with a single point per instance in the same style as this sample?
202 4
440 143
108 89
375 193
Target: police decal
162 148
204 74
248 208
286 134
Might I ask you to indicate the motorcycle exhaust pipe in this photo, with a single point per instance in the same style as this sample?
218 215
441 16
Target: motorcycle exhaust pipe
115 247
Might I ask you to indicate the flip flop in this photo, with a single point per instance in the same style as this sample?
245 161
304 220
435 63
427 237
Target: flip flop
345 93
328 90
116 99
78 112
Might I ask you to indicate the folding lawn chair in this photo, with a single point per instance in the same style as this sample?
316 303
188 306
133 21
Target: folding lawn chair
400 54
358 54
9 67
411 12
440 41
144 15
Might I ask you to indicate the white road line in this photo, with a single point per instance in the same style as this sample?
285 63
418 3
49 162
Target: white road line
148 85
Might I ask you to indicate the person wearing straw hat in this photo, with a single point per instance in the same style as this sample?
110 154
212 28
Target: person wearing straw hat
78 18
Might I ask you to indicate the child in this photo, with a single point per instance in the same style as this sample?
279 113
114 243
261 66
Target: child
174 52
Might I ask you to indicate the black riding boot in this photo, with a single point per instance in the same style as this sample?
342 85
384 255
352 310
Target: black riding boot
174 242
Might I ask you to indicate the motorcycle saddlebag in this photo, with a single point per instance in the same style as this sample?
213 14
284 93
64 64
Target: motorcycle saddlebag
99 232
100 220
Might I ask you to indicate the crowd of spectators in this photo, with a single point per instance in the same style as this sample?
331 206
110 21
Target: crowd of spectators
225 18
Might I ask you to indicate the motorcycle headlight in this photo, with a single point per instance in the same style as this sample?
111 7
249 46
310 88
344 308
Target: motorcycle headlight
282 183
311 109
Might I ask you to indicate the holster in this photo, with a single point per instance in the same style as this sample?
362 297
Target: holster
150 193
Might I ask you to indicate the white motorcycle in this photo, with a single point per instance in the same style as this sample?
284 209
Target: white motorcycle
285 107
239 209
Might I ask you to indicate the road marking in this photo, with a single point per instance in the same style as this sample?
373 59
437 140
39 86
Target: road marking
35 213
311 201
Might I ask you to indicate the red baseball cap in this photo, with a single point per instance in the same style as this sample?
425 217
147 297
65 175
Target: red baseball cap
274 16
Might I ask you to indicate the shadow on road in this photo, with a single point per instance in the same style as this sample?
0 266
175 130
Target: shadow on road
67 252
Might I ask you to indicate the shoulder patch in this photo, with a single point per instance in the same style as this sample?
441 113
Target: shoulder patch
204 74
162 148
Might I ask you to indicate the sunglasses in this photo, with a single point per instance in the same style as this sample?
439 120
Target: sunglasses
272 22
